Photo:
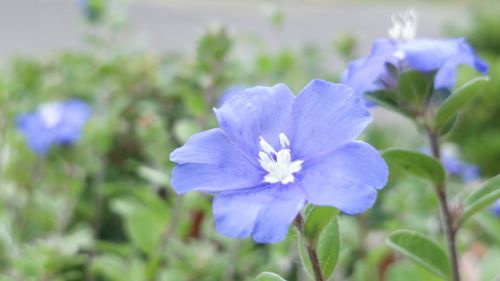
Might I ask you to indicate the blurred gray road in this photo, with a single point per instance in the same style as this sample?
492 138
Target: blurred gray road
42 27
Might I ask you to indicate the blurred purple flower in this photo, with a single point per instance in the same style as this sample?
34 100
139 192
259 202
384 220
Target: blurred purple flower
455 166
274 152
402 52
495 209
53 123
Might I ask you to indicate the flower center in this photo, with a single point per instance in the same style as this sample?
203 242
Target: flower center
278 164
51 114
404 26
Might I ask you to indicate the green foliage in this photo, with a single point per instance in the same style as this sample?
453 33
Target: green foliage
454 103
317 219
481 198
422 250
477 130
483 33
269 276
321 232
417 164
414 87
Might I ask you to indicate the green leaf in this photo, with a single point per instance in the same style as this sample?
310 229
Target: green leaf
269 276
386 99
446 129
415 163
481 198
327 249
421 249
319 217
490 225
144 230
408 271
414 86
456 101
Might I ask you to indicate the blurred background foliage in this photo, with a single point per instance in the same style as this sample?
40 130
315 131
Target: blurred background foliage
103 209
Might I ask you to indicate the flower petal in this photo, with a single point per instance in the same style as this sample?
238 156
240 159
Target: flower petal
363 74
427 54
75 114
38 138
347 178
325 116
259 112
211 162
265 213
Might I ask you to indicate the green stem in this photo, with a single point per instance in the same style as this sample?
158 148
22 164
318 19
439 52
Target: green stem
311 252
448 223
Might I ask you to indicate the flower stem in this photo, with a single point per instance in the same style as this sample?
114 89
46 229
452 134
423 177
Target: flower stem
311 252
448 224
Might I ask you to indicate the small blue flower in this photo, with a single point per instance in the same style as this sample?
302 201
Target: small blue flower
495 209
455 166
54 123
274 152
402 52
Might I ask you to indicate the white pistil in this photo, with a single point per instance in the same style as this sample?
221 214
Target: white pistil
404 26
279 165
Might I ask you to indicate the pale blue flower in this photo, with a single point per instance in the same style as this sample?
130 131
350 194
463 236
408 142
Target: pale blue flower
53 123
389 57
274 152
425 55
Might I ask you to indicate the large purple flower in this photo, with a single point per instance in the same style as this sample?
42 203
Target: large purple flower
274 152
402 52
54 123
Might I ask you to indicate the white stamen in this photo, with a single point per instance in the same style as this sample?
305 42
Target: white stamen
266 146
279 165
284 142
50 113
404 26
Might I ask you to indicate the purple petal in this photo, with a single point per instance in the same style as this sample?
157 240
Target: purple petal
33 130
211 162
265 213
347 178
75 114
259 112
325 116
363 74
230 92
428 54
446 76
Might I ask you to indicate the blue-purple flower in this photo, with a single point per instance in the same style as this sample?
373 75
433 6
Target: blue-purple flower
274 152
402 52
495 209
53 123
